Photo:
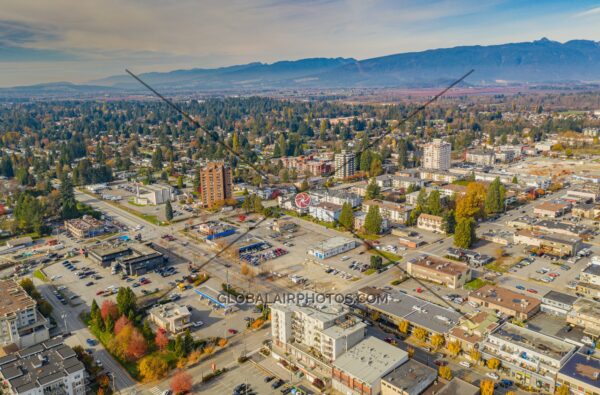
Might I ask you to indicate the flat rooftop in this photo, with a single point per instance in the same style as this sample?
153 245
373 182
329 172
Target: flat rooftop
440 265
419 312
583 368
170 310
506 298
14 298
370 359
333 242
411 376
560 297
459 386
534 341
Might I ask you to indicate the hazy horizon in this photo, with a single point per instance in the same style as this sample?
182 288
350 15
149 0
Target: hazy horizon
67 41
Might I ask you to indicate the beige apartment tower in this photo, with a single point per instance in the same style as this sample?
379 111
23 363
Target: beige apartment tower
436 155
215 184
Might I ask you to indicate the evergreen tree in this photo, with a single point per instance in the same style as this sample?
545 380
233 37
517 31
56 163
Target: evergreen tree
347 216
67 197
168 211
464 235
126 301
422 200
373 220
376 167
449 222
373 190
402 154
515 180
180 185
494 201
157 158
365 160
434 204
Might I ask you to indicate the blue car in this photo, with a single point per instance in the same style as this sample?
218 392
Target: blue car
506 383
91 342
522 288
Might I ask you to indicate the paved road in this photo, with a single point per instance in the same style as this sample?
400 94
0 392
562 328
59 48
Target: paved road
66 315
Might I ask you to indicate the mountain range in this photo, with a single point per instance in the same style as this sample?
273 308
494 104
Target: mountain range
540 61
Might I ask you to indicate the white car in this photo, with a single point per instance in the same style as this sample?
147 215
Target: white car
197 324
465 364
492 375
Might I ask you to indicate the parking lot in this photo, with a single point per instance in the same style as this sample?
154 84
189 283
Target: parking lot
247 374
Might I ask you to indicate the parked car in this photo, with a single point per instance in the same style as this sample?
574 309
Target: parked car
492 375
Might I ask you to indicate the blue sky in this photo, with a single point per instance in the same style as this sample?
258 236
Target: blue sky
80 40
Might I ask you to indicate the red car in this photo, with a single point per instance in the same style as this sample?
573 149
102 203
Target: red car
146 281
232 331
99 293
533 291
439 362
554 275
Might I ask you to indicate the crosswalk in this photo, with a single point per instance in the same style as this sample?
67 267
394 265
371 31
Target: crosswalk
156 391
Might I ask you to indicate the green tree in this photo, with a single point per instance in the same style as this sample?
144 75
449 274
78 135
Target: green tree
157 159
464 235
434 204
126 301
373 190
422 199
376 262
365 161
373 220
168 211
449 222
67 198
402 154
347 216
376 167
494 200
515 180
180 183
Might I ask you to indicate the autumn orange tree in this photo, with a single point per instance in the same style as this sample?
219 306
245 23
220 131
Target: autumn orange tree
562 390
454 348
129 343
403 326
493 363
121 323
471 204
437 341
153 367
486 387
420 334
445 372
181 383
474 355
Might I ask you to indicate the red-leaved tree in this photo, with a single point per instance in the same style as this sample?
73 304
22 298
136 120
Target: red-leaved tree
121 323
161 339
136 346
109 308
181 382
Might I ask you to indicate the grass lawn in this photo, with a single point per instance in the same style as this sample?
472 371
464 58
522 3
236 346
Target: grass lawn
503 265
388 256
38 274
368 272
476 283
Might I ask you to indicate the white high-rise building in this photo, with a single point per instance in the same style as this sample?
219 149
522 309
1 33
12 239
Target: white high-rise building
344 164
436 155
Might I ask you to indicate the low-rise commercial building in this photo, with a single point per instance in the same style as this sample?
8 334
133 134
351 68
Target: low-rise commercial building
440 271
552 209
136 259
332 247
171 317
557 303
581 374
550 244
47 368
506 301
432 223
360 369
472 329
410 378
360 218
458 386
84 227
20 322
400 307
530 358
586 210
586 314
154 194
